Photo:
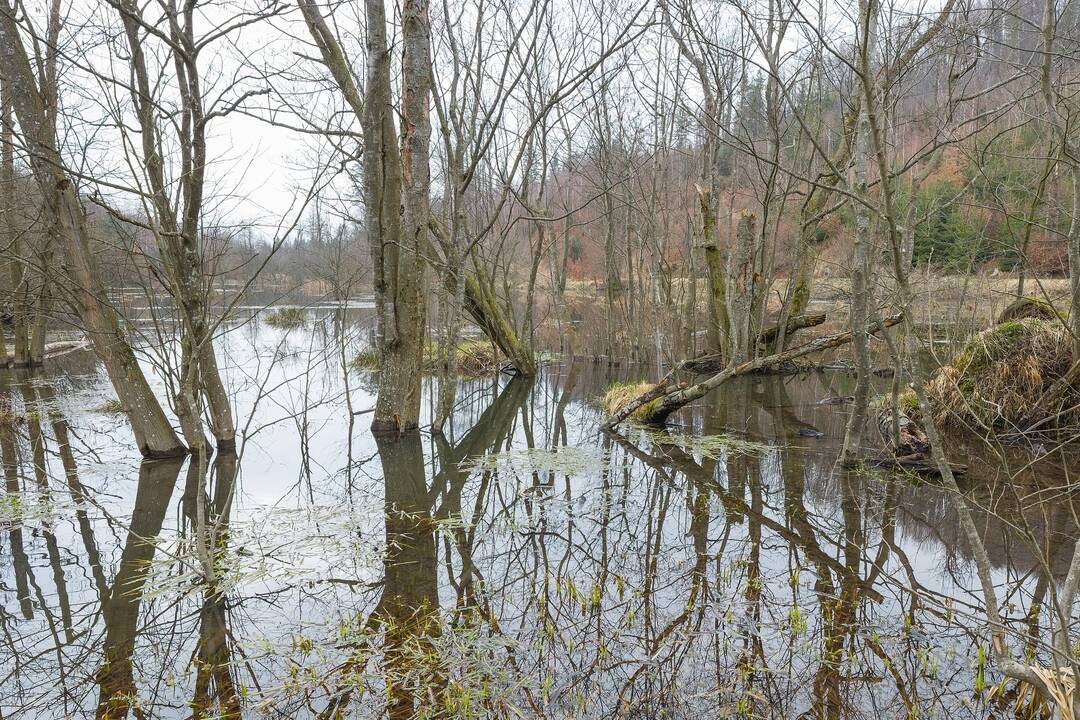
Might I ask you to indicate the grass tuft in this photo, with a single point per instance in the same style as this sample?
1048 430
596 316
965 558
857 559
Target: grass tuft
1000 373
112 407
618 395
474 357
286 318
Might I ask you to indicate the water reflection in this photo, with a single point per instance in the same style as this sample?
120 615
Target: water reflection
525 564
117 692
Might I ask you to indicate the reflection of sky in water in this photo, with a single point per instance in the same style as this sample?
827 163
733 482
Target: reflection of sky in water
611 574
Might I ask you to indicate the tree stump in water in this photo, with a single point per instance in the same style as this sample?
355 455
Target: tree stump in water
911 450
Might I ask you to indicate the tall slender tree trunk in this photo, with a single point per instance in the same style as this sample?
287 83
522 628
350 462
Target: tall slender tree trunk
860 287
9 236
153 432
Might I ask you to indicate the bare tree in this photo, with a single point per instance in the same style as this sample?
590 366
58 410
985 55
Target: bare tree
153 432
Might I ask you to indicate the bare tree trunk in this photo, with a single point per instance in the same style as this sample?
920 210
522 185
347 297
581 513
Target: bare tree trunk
744 290
9 235
860 286
398 404
178 227
153 432
718 334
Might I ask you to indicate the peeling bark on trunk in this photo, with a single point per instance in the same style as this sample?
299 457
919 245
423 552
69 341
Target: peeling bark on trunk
745 289
396 187
719 330
398 405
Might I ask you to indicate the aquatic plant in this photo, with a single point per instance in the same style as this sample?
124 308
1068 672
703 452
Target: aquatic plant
286 318
709 446
564 460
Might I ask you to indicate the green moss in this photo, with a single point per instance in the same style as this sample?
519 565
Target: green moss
996 344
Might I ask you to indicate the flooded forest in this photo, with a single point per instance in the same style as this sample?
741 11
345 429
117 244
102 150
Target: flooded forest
534 359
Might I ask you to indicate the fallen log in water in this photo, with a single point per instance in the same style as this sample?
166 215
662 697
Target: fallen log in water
714 362
52 350
665 403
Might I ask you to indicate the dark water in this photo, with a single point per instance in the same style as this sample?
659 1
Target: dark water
526 565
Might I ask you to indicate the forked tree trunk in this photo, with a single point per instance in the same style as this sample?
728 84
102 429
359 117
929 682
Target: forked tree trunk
398 404
396 186
177 230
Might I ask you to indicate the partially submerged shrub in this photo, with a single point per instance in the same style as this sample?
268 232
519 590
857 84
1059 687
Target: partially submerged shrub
619 395
286 318
474 357
1000 375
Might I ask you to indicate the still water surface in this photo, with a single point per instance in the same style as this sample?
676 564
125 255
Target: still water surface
527 564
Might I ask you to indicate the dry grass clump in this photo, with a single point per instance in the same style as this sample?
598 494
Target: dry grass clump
8 416
618 395
367 360
112 407
1001 373
286 318
475 358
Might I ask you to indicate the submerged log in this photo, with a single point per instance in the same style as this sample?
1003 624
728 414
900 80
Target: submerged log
917 463
685 394
715 362
795 323
52 350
